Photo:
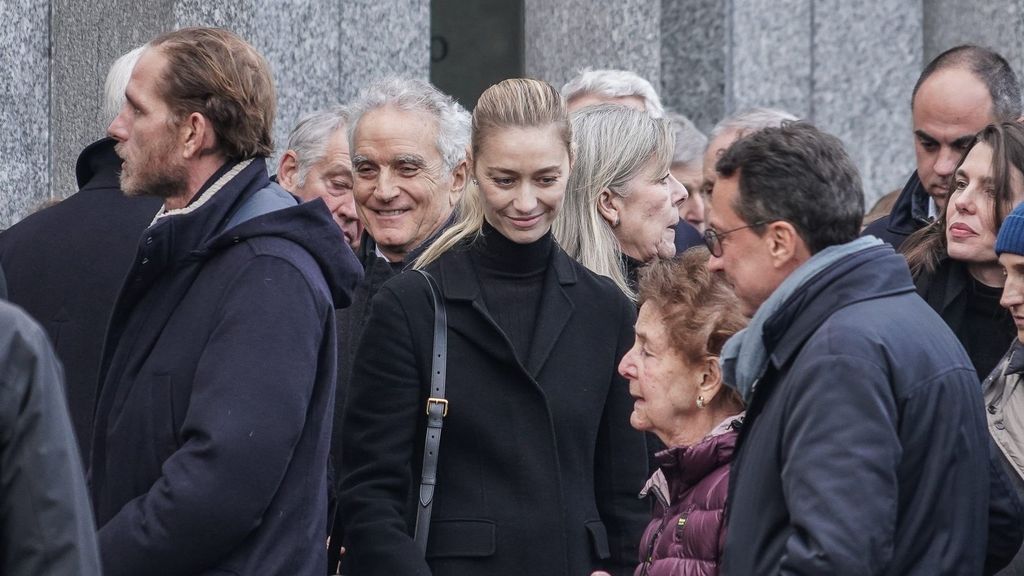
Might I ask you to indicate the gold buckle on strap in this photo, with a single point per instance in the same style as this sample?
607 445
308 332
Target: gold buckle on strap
441 401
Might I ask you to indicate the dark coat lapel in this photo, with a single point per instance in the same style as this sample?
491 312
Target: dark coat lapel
461 288
555 310
467 313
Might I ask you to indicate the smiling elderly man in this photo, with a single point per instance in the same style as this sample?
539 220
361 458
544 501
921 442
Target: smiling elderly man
408 143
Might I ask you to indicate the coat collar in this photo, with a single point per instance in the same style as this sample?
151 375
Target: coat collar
458 282
873 273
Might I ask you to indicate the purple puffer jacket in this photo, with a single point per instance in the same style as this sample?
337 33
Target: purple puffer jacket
687 534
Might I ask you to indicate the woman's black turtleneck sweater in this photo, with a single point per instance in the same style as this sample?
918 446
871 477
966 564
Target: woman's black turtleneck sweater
512 281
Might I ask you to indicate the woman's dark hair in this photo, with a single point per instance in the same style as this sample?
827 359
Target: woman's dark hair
926 248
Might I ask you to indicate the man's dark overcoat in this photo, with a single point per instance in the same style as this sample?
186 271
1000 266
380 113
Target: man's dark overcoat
65 264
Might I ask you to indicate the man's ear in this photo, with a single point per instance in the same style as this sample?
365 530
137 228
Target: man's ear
458 183
608 205
288 171
786 247
198 137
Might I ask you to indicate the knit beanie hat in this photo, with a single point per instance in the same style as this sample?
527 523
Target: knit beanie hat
1011 233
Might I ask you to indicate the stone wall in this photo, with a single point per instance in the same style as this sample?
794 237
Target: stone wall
848 67
320 52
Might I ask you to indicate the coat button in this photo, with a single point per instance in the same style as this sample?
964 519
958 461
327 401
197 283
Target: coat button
991 408
149 240
145 261
1000 425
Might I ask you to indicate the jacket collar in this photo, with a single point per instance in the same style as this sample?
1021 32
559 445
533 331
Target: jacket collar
910 212
873 273
99 165
1015 358
682 467
458 282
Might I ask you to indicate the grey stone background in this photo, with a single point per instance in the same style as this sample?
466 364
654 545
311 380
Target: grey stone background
847 66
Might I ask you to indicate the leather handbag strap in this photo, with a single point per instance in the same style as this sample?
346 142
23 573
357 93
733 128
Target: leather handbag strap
437 409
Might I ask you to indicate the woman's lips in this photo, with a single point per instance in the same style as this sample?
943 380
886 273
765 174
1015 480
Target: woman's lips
524 222
960 230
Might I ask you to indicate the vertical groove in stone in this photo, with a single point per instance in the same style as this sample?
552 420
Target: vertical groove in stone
694 45
868 58
86 36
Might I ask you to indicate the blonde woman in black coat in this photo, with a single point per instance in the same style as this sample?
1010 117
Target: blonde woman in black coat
538 467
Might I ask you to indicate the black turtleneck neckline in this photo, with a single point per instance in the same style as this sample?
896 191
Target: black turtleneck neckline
503 256
512 282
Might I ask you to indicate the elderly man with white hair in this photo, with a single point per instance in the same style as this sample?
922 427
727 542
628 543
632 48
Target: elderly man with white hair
408 142
316 164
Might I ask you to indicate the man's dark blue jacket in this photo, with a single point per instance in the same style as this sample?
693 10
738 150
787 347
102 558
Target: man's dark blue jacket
213 423
864 449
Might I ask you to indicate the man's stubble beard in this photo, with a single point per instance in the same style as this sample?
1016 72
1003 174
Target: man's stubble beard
159 177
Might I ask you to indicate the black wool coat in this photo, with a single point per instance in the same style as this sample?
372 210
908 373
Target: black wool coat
65 264
538 469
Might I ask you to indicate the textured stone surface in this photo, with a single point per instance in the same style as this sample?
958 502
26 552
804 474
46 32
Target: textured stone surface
693 49
88 35
299 39
864 100
379 39
563 36
847 67
769 59
997 24
24 108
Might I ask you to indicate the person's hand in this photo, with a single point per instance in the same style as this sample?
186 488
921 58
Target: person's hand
600 573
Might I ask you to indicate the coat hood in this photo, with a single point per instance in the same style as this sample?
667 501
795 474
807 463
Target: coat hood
311 226
239 203
98 160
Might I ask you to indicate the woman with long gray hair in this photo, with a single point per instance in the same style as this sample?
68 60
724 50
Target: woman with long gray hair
621 201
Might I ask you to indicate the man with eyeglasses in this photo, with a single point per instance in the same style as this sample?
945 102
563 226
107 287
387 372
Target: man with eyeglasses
864 449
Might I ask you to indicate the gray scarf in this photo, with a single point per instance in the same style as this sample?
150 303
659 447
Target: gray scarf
744 356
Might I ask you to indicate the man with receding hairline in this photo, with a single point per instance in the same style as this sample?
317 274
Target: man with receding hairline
212 425
958 93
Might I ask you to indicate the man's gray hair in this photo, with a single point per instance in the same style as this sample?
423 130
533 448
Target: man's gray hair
614 84
690 142
752 120
411 95
117 80
310 137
